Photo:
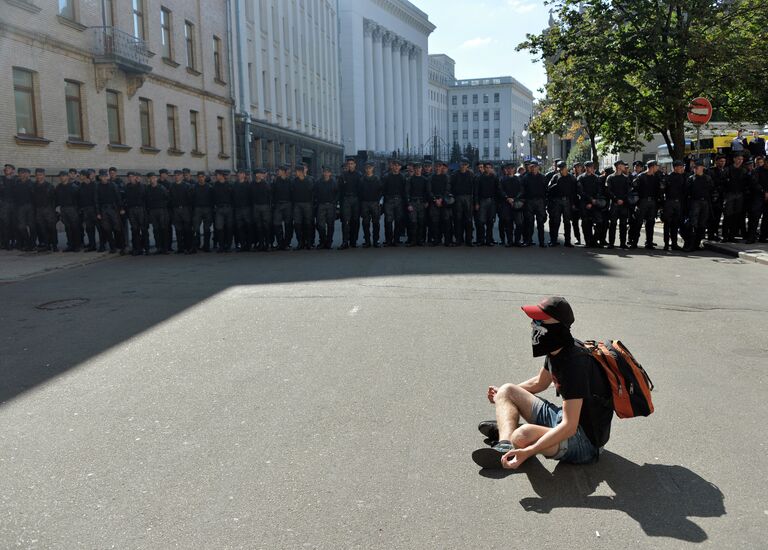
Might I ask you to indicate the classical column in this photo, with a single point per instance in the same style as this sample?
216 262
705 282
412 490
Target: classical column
370 108
415 122
389 100
397 93
405 90
378 90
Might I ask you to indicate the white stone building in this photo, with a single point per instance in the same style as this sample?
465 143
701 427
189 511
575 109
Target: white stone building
490 114
383 76
139 84
287 82
441 77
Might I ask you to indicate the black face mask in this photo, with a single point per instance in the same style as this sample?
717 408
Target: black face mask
548 338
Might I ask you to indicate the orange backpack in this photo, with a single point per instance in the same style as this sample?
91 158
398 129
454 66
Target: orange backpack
630 385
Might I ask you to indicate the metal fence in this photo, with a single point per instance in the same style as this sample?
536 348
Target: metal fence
113 44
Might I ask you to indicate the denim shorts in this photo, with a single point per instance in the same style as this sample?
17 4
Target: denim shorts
577 449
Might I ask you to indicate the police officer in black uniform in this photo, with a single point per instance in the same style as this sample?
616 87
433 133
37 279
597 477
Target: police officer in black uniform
242 203
618 187
733 204
282 213
326 194
181 205
66 193
7 207
25 211
534 194
416 201
157 207
720 175
440 212
87 211
648 187
486 196
109 206
261 191
593 204
349 185
700 189
674 189
755 198
120 185
562 197
462 185
578 170
135 194
512 206
762 192
370 206
393 185
202 212
44 202
302 197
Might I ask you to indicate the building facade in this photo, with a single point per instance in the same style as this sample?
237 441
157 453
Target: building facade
287 82
136 84
441 77
384 76
491 114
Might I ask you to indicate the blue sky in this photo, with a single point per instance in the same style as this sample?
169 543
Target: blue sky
481 36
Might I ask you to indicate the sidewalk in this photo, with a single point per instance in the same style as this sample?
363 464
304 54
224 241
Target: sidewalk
17 266
757 252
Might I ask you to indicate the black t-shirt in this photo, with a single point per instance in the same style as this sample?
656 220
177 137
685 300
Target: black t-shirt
577 376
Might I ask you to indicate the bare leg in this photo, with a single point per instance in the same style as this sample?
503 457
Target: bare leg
511 403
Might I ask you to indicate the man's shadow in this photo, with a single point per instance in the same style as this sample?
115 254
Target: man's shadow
659 497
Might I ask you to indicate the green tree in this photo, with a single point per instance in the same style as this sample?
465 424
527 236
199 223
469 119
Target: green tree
627 69
455 152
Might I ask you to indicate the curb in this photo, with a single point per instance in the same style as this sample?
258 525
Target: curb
756 256
100 257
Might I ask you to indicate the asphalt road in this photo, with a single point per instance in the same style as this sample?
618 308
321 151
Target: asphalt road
330 400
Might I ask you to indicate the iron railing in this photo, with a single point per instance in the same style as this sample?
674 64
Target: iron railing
111 45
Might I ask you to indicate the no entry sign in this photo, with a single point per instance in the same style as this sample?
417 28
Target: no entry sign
699 111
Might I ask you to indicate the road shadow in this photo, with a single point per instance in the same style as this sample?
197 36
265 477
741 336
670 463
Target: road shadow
661 498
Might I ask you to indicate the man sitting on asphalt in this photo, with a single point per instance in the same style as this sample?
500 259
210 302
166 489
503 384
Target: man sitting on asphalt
575 432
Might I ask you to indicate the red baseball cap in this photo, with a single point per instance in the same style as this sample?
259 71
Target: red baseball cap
554 307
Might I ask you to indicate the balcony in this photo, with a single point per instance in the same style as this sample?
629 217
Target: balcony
111 45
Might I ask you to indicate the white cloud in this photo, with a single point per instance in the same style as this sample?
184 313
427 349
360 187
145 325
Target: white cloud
476 42
521 6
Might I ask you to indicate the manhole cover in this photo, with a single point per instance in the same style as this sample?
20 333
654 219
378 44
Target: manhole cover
63 304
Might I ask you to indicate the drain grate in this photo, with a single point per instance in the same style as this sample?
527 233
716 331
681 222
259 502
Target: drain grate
62 304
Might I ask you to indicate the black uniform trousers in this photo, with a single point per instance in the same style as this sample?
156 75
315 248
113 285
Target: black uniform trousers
514 222
225 225
535 211
560 209
262 226
282 222
137 215
393 218
112 225
350 219
158 217
182 223
25 226
45 225
619 217
440 221
486 216
202 215
417 218
575 221
645 213
88 219
698 218
371 214
71 221
672 216
325 221
303 223
593 225
757 208
714 219
733 215
7 225
243 226
462 218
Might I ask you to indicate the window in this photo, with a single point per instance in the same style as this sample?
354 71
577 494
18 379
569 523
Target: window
453 100
465 135
220 133
145 120
193 129
67 9
464 99
74 110
496 151
496 133
486 133
455 135
166 33
485 151
173 137
496 98
485 98
138 19
485 116
24 97
475 134
189 36
109 12
465 116
474 99
113 117
455 117
217 58
476 116
496 115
